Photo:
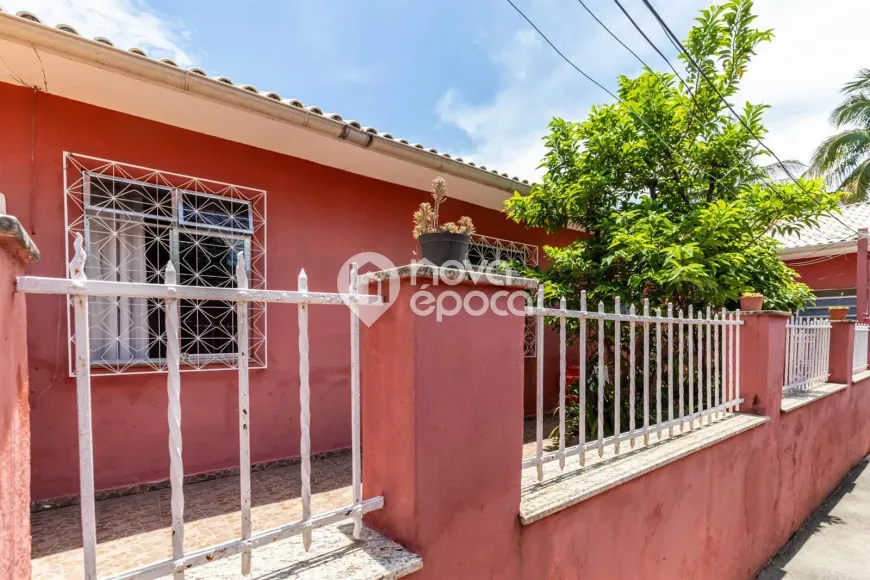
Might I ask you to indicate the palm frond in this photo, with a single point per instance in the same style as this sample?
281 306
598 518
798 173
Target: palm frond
837 147
784 171
861 82
855 109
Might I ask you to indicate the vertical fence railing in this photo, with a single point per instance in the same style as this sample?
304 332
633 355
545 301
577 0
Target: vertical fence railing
705 356
80 289
808 345
859 351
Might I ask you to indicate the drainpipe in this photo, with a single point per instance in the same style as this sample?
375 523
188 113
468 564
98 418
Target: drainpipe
861 276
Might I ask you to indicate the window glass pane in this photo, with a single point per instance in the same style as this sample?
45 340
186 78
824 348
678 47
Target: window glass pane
208 327
216 212
127 196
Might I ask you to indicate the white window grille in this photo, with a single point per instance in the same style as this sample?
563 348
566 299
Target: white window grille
484 251
134 220
693 378
240 296
807 349
859 354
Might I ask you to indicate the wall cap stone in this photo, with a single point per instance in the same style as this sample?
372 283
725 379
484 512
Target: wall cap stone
765 313
14 239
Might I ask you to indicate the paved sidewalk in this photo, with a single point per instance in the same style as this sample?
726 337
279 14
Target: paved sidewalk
835 543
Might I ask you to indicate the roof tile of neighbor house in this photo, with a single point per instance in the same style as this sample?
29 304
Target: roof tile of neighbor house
272 95
830 230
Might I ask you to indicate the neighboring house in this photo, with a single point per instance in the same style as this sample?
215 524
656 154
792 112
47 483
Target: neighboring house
152 163
832 261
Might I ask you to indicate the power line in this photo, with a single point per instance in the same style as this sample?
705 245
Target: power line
606 90
747 160
758 172
694 63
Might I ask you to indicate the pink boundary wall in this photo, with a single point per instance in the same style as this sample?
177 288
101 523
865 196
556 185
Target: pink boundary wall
720 513
14 407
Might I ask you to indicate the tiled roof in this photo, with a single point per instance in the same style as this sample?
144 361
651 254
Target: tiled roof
274 96
830 229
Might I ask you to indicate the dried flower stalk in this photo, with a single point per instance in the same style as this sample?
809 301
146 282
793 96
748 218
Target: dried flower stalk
426 218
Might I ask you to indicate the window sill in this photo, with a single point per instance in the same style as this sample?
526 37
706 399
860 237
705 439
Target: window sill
560 490
858 377
334 555
798 399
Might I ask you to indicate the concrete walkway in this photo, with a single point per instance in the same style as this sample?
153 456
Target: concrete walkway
835 543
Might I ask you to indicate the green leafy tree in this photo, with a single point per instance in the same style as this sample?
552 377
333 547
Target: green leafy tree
844 158
673 193
669 187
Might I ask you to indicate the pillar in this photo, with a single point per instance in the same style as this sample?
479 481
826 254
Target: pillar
442 418
762 362
16 250
861 276
842 344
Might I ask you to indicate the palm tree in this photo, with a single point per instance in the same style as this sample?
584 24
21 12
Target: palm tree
844 159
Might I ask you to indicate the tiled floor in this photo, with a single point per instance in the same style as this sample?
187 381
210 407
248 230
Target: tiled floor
135 530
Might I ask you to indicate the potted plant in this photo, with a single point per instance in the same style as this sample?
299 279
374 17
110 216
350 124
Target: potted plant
838 312
442 243
751 301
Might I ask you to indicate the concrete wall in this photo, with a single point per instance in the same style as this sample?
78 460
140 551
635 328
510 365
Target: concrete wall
14 406
720 513
317 218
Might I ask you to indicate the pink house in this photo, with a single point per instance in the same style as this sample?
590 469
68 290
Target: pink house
831 258
152 163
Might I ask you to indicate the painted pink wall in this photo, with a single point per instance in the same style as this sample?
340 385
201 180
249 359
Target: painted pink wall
839 272
442 432
14 424
318 217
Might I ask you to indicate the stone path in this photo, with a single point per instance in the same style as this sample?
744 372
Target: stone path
835 543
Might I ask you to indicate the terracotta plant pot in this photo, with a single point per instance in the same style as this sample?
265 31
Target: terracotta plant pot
836 313
748 303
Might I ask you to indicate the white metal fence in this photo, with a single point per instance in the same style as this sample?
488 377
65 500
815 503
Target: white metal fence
859 353
83 290
807 349
696 377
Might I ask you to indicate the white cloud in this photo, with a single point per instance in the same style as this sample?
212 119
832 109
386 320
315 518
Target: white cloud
127 23
818 47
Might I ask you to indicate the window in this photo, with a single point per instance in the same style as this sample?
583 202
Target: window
484 250
134 222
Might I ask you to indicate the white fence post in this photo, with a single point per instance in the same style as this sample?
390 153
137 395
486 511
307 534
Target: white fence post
562 363
244 414
356 449
304 411
539 428
617 364
173 387
83 400
582 384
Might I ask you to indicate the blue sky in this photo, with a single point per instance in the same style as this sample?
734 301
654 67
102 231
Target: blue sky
470 77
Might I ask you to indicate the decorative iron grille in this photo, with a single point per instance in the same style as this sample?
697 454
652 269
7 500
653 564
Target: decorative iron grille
484 250
136 220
